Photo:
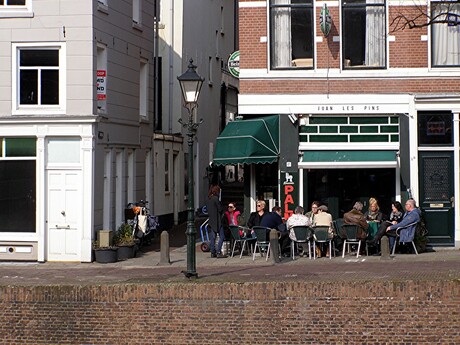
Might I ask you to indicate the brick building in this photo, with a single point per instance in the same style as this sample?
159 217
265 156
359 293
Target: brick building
366 111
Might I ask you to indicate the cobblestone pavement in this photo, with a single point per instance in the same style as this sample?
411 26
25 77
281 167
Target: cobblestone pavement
145 268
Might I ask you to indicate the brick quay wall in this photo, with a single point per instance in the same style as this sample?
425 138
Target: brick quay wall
282 312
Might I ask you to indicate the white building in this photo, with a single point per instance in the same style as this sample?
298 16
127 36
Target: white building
77 116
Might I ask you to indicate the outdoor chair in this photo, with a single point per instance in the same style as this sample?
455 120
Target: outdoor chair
351 232
321 235
302 235
262 241
398 232
238 239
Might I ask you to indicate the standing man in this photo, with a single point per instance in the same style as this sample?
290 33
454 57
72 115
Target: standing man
214 225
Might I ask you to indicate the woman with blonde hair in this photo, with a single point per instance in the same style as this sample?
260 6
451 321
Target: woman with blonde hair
373 214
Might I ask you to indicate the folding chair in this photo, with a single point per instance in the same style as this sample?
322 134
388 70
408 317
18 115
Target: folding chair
237 238
321 235
262 241
302 235
351 232
398 231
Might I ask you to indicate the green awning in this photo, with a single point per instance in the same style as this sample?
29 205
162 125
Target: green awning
248 141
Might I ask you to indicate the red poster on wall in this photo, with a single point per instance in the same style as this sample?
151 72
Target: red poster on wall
100 84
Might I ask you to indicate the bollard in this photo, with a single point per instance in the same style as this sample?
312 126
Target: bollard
384 248
164 248
274 246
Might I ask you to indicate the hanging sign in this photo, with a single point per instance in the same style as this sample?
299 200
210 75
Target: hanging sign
101 77
289 192
325 20
234 64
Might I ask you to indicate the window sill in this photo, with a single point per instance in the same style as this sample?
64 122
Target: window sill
16 14
137 26
143 119
38 111
103 8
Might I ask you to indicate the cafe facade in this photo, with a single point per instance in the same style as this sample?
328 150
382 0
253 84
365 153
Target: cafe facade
385 127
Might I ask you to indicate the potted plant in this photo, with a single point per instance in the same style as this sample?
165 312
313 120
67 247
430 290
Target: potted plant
105 255
125 241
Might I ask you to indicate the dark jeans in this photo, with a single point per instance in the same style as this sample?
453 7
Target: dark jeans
383 232
212 239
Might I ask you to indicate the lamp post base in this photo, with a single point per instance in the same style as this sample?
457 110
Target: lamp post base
190 275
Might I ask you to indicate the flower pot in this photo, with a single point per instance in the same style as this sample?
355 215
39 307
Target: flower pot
106 255
125 252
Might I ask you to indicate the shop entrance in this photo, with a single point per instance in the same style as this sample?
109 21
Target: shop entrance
340 188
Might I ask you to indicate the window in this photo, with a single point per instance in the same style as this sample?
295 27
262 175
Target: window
291 34
445 38
16 8
137 12
17 183
12 3
364 34
143 88
435 128
101 79
39 79
166 170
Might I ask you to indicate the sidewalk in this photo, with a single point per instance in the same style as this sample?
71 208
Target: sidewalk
145 268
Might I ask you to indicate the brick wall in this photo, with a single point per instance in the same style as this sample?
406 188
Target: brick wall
296 312
407 49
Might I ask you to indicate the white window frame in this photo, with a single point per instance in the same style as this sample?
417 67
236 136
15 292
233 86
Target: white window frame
28 109
137 14
10 11
144 89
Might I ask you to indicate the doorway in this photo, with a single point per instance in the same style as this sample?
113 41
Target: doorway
341 188
64 214
437 195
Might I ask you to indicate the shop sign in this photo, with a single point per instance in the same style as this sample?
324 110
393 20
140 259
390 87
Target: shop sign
101 84
234 64
289 193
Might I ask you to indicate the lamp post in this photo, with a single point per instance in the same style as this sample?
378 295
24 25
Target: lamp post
190 84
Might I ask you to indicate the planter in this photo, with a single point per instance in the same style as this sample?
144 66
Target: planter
126 252
106 255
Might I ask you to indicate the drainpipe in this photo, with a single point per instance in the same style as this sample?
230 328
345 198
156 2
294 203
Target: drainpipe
171 67
156 56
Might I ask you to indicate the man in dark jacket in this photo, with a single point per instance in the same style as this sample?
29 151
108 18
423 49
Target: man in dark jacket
356 217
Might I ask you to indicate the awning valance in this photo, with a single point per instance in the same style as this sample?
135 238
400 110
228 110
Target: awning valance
248 141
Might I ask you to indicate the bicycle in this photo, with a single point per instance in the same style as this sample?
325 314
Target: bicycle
144 225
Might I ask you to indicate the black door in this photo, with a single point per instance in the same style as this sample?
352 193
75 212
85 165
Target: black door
437 196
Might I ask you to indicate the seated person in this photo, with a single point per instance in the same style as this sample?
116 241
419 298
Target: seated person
412 215
272 220
355 217
373 214
314 211
298 218
232 217
323 218
396 216
256 217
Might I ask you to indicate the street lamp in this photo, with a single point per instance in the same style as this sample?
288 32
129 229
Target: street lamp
190 84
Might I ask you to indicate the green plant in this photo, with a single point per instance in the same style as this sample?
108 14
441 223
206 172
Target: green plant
97 246
124 236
